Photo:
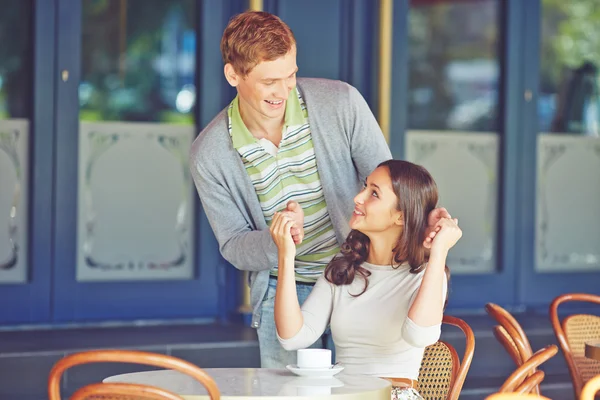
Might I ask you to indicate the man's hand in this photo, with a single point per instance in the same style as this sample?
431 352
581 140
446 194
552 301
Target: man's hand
433 226
295 212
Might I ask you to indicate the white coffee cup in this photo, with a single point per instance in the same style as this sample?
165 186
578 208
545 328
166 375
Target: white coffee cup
314 358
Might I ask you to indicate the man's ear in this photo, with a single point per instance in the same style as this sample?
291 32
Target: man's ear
232 77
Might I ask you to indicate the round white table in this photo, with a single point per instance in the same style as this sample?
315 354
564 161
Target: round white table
260 383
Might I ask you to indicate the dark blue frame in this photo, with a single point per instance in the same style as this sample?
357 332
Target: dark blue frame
320 27
214 95
90 301
29 302
52 295
351 21
511 103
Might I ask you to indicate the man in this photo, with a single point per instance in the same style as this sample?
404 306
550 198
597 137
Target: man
303 146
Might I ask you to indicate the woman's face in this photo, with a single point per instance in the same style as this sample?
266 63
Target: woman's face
375 206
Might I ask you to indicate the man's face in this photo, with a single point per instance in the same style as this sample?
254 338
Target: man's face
264 91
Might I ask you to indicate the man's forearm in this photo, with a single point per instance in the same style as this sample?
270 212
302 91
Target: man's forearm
251 251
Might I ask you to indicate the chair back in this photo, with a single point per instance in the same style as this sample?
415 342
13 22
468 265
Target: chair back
442 373
516 396
508 343
530 382
516 382
438 371
572 334
518 338
122 391
512 337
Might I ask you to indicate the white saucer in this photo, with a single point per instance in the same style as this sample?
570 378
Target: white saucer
315 372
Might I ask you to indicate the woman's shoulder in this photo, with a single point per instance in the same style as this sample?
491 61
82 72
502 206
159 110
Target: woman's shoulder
323 282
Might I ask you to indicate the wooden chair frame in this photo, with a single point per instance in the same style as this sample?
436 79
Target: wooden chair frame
561 336
516 396
459 368
132 357
518 377
512 337
530 382
520 342
127 390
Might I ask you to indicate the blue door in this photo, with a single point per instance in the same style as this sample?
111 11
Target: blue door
26 157
560 160
130 239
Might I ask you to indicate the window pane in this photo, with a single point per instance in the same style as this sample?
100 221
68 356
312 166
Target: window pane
569 98
15 110
15 59
138 61
453 65
568 145
453 117
137 98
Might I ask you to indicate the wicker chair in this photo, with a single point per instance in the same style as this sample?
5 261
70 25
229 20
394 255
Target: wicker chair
442 374
515 396
572 334
518 338
513 338
523 379
590 389
508 343
122 391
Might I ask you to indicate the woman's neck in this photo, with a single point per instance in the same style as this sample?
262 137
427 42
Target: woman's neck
381 249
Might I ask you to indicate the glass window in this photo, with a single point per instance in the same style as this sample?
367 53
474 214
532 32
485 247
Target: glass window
15 59
138 61
453 65
569 95
16 103
568 149
137 99
454 74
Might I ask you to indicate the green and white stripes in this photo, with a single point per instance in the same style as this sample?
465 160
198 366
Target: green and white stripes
289 173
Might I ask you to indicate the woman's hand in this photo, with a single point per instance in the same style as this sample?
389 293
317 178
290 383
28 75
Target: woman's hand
281 226
433 219
448 233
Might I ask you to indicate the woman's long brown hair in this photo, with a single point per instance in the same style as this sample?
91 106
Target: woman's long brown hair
417 196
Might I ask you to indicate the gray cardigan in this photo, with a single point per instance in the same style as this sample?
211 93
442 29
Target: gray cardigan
348 146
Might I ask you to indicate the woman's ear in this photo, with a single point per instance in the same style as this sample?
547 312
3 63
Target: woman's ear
399 218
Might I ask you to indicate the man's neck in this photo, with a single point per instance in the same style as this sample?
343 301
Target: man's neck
261 127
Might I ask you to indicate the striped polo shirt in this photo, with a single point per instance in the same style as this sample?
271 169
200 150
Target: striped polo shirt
289 173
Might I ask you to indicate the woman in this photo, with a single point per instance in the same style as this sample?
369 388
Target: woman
384 295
